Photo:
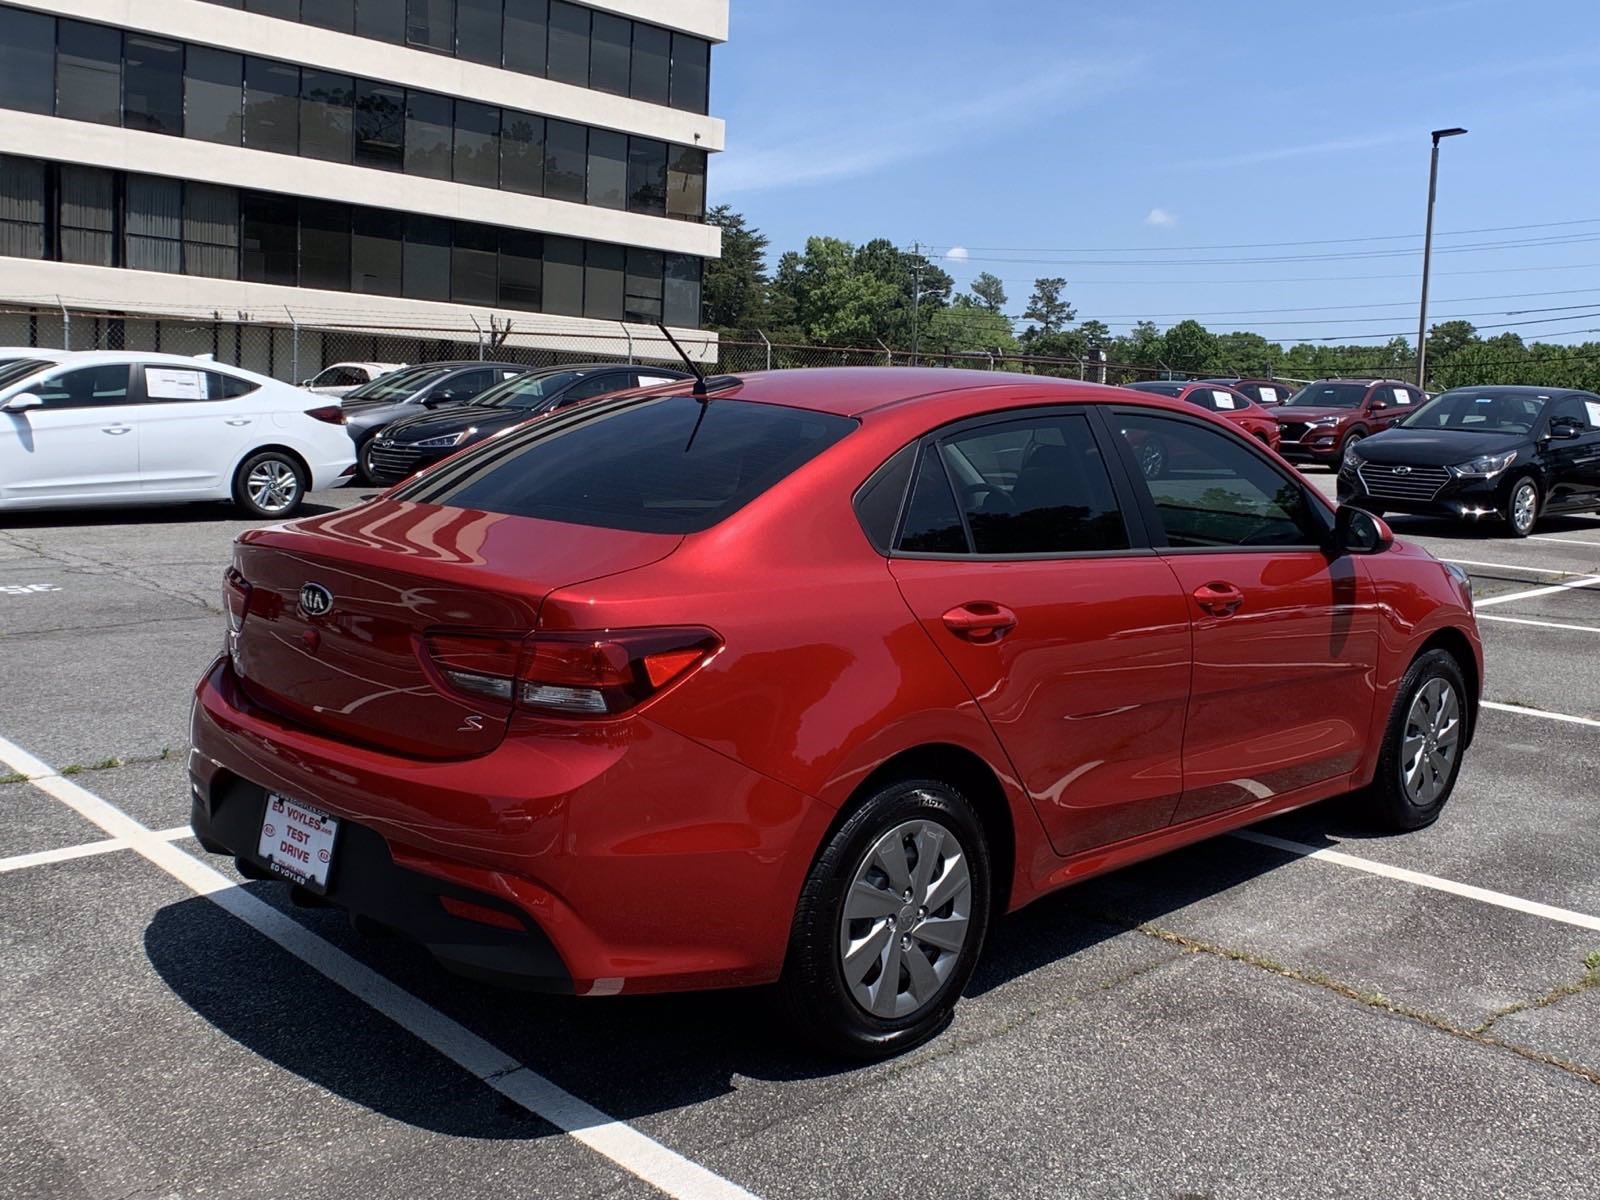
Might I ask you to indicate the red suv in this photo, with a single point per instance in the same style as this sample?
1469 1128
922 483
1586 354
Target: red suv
1323 420
807 677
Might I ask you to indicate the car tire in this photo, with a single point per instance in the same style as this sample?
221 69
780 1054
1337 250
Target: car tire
1422 745
865 892
1350 440
1522 506
364 462
270 483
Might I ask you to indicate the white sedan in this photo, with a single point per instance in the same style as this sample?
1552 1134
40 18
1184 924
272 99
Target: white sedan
103 427
343 378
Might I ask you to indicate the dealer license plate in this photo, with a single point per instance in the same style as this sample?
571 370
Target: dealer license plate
297 841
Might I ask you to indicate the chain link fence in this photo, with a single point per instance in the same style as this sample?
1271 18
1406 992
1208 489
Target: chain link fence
294 348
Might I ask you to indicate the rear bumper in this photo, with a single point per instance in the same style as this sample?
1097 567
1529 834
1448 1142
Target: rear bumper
630 858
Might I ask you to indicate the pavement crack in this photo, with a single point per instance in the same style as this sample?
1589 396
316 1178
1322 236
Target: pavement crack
1478 1035
1562 991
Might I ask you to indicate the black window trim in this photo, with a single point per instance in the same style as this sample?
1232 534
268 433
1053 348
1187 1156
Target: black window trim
1133 515
1146 503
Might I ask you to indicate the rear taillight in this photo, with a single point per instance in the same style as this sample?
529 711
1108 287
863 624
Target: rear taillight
331 413
577 674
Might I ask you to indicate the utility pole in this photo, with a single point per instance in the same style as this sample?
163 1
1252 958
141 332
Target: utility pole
1427 258
917 265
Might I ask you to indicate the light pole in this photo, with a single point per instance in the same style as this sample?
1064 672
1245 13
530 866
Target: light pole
1427 258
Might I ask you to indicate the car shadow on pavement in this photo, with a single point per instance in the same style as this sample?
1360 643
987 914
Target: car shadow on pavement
630 1056
1487 530
165 514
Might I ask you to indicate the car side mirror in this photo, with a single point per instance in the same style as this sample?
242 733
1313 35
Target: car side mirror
434 400
23 402
1379 404
1356 531
1562 428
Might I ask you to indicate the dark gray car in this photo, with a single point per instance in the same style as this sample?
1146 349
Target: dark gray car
403 393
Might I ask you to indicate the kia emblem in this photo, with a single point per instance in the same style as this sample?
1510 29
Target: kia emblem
315 600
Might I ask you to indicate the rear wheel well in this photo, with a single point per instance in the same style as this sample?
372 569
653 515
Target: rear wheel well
1454 643
974 779
298 459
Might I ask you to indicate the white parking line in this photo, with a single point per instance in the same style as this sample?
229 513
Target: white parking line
1523 711
1540 537
649 1160
1524 568
1471 892
1585 581
40 858
1541 624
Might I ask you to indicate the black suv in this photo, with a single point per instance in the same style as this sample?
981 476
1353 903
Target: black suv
1513 453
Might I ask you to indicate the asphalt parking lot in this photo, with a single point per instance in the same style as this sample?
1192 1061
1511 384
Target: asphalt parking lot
1304 1010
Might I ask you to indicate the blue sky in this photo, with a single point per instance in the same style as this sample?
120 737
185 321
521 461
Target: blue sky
1112 143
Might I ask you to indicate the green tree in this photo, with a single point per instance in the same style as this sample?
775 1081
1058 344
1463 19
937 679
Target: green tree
969 326
1048 306
735 287
989 292
1190 347
1447 337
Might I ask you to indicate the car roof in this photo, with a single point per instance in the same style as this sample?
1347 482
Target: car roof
1520 389
376 366
855 391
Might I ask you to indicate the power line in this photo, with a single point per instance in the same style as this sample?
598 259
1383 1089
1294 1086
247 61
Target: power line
1250 312
1313 278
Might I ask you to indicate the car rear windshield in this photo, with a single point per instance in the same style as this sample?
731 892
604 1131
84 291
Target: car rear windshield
1328 395
525 391
397 384
1159 388
1480 410
666 464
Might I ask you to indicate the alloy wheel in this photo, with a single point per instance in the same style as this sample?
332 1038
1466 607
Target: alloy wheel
906 919
1431 742
1524 506
273 486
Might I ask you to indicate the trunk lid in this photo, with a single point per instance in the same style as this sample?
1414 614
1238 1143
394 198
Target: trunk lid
393 572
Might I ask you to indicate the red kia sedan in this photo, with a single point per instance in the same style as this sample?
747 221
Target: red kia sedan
809 676
1220 399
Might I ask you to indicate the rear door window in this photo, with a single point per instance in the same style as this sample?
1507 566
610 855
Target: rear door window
1212 492
667 464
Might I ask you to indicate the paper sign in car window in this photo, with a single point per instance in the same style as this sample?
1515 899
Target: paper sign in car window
1593 409
1269 395
164 383
1223 399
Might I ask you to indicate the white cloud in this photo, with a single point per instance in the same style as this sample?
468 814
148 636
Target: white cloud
1160 216
850 147
957 254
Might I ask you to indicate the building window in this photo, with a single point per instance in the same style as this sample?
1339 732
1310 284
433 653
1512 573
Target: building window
643 299
686 183
647 176
22 204
563 276
213 95
338 15
527 35
691 71
325 245
566 165
681 291
521 270
88 72
431 25
522 153
473 262
608 168
428 135
602 281
210 231
477 144
376 257
327 115
27 61
154 224
380 125
383 20
152 85
268 238
652 65
271 105
478 30
569 43
88 216
610 44
427 258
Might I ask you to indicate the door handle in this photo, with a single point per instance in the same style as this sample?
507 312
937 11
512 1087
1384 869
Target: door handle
239 421
116 429
980 621
1218 598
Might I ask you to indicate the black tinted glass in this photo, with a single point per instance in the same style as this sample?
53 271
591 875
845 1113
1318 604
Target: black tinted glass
669 465
213 95
326 115
380 125
271 105
330 14
525 24
1212 492
478 30
1329 395
88 72
1037 486
933 523
152 85
1480 410
27 61
609 46
569 43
